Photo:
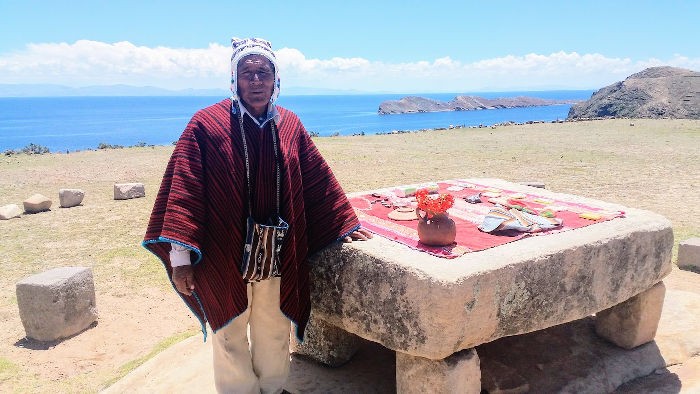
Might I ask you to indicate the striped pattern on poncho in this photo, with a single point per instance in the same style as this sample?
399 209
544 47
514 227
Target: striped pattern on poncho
202 204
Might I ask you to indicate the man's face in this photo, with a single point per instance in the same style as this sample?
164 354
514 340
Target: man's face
256 81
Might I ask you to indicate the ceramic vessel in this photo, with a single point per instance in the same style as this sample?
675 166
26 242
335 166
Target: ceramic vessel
438 230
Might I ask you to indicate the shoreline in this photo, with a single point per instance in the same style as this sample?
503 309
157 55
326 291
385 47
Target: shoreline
34 148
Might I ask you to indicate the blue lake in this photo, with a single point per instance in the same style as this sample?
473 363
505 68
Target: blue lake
78 123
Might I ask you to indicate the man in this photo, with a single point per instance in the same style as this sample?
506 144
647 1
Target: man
236 159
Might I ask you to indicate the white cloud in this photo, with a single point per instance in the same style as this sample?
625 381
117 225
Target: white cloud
97 63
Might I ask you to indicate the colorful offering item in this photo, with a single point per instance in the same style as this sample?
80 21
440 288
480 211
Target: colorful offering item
543 201
434 204
548 215
590 215
403 214
502 219
410 190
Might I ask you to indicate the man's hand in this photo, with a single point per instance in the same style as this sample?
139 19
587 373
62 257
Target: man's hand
359 235
183 277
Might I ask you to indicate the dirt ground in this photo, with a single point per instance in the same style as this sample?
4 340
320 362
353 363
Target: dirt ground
138 313
648 164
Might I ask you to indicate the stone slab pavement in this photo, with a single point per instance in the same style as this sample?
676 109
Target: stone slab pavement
564 358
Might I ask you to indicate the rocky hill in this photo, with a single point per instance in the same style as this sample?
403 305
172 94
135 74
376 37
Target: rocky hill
461 103
657 92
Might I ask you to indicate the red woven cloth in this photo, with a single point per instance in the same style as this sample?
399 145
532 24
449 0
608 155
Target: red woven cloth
467 217
202 204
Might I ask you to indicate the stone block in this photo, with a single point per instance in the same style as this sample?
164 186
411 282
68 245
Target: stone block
458 373
325 343
37 203
689 254
633 322
10 211
70 197
125 191
427 306
57 303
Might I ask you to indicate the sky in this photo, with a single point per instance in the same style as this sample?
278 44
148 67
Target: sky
370 46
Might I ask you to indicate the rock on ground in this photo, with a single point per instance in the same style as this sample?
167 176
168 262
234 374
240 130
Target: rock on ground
57 303
37 203
10 211
126 191
70 197
689 254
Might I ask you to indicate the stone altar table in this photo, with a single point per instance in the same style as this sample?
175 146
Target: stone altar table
433 311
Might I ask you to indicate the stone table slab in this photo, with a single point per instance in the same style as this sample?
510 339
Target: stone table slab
432 307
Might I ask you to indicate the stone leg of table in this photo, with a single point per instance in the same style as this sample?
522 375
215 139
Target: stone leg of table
632 322
458 373
325 343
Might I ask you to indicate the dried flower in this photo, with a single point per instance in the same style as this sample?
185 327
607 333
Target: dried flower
435 203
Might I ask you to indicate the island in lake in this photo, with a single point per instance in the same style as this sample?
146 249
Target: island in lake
412 104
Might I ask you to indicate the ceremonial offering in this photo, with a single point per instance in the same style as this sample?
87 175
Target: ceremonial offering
392 222
435 228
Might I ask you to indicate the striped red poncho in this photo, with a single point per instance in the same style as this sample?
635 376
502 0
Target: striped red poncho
202 204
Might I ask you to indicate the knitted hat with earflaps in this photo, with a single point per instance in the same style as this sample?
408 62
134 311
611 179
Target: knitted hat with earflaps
243 47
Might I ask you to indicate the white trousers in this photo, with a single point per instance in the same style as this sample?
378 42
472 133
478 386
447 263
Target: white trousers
251 353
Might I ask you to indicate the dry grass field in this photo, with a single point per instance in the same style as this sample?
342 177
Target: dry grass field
652 164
